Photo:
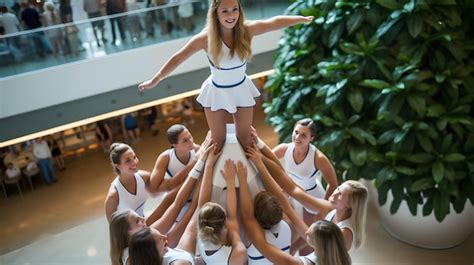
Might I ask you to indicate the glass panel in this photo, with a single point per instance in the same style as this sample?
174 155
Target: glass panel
93 38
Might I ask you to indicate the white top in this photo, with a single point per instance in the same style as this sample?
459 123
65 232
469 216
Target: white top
309 259
12 172
10 23
41 150
279 236
175 254
128 200
214 254
304 174
346 223
125 256
228 86
175 165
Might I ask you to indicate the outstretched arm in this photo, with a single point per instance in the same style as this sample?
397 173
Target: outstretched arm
308 201
239 251
253 229
196 43
273 187
206 185
329 174
258 27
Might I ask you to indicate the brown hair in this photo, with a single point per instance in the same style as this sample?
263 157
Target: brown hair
115 153
119 238
241 36
267 210
174 131
211 220
308 122
142 249
328 243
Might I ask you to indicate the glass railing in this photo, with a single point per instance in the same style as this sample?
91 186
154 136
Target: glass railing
51 46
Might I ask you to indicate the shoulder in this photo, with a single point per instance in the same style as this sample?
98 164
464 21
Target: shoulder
280 149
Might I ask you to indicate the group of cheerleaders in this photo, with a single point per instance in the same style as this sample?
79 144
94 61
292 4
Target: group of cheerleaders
186 227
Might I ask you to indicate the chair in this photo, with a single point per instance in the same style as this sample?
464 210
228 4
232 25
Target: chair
14 180
31 173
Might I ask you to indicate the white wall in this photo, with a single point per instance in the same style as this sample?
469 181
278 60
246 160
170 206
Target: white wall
44 88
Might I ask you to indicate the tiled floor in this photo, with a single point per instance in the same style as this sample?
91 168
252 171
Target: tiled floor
64 223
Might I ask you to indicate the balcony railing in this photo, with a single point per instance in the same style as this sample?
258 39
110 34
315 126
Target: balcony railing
52 46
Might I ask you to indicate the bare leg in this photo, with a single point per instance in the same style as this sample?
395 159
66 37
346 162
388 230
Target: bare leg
243 120
217 125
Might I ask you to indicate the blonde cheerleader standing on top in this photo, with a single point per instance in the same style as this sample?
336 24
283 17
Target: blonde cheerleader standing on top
227 42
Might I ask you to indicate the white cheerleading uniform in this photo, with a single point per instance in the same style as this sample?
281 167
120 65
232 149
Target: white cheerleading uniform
174 254
309 259
304 174
228 86
214 254
131 201
279 236
174 167
343 224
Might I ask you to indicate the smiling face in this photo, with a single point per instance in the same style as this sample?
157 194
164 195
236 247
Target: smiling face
136 223
161 241
228 13
301 135
340 198
128 162
185 141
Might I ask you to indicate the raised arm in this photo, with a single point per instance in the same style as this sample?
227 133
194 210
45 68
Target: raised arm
195 44
206 185
272 186
329 174
257 27
308 201
263 147
252 228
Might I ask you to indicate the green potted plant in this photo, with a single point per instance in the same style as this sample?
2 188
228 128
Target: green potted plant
391 85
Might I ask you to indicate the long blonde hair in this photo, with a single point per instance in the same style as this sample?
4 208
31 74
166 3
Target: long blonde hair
119 238
241 36
328 243
211 220
358 201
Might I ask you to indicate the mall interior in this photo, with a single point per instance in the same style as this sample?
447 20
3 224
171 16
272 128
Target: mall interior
66 93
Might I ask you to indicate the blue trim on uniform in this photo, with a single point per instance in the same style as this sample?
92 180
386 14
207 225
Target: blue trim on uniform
225 69
296 176
140 206
169 173
228 86
314 173
262 257
312 188
189 200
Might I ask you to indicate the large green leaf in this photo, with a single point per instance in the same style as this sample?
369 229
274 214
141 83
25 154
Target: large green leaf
417 103
356 100
335 35
354 21
374 83
412 205
428 207
358 156
454 157
438 171
390 4
420 158
422 184
415 25
405 170
441 206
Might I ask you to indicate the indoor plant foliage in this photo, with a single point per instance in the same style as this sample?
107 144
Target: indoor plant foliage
391 86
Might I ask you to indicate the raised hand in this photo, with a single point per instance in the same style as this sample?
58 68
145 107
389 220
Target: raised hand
204 149
309 18
149 84
229 171
254 155
241 172
212 156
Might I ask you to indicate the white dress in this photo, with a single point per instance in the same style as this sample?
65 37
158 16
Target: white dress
278 236
214 254
305 173
129 200
174 254
228 86
346 223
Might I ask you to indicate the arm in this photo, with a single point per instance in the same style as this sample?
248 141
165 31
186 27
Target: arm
279 150
266 151
329 174
206 186
273 187
111 202
308 201
158 183
348 237
198 42
239 251
258 27
253 229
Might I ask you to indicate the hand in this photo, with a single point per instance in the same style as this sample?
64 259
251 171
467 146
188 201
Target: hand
149 84
229 171
241 171
309 19
253 134
204 149
212 156
254 155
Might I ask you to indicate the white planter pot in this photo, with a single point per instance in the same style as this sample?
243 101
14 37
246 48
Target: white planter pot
424 231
